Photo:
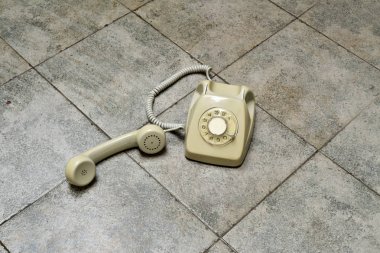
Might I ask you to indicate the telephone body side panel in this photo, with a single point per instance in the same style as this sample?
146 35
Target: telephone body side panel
220 124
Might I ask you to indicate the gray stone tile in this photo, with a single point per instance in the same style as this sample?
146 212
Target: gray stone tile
307 82
109 74
220 247
216 32
11 64
221 196
2 250
133 4
357 147
39 131
125 210
352 23
319 209
42 28
296 7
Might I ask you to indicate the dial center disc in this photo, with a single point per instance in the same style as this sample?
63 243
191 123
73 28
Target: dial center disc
217 126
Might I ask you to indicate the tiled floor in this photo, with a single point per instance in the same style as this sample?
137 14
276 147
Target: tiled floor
75 73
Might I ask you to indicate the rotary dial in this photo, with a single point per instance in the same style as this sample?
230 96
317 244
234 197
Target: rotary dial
218 126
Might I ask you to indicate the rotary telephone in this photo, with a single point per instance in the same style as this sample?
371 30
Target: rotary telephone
218 131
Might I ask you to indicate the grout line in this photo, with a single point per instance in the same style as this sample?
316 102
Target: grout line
229 245
304 22
348 172
260 106
108 136
222 241
192 57
99 128
280 7
38 64
178 100
33 67
175 103
139 16
221 78
312 155
135 9
31 203
270 193
102 131
294 15
6 249
283 124
173 196
17 76
279 121
308 9
181 98
346 125
212 244
22 57
87 36
337 43
156 29
294 19
340 130
143 5
72 103
318 150
335 162
336 134
85 115
254 47
129 9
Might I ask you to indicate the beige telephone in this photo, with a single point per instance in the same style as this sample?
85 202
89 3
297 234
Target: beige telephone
218 131
220 124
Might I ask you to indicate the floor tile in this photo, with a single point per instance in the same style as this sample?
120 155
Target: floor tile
220 247
307 82
39 132
109 75
357 147
352 23
296 7
133 4
221 196
319 209
216 32
125 210
2 250
42 28
11 64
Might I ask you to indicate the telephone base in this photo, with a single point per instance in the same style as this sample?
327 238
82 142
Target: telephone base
220 124
227 162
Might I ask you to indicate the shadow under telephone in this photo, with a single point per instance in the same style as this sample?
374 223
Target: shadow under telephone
218 131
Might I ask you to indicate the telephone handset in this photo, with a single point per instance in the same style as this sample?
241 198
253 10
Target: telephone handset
218 131
81 170
220 124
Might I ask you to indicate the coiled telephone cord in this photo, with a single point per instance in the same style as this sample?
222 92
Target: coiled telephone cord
163 86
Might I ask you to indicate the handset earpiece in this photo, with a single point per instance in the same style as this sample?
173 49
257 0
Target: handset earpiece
81 169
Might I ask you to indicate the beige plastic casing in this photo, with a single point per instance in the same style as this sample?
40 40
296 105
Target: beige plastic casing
80 170
236 99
